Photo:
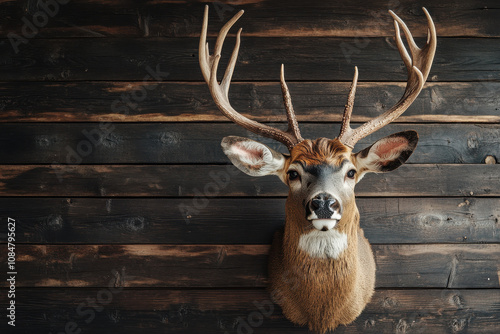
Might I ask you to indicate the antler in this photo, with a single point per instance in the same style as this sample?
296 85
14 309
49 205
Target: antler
418 67
209 64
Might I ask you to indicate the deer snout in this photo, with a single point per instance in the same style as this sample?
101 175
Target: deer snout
324 211
323 206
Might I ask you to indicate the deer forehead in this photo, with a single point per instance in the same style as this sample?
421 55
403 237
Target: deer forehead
322 151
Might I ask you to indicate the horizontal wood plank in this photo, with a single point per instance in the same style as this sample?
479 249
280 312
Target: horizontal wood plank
306 59
183 221
204 181
130 311
439 102
398 266
148 143
262 18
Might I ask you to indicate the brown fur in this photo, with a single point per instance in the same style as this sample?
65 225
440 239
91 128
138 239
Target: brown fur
321 150
321 293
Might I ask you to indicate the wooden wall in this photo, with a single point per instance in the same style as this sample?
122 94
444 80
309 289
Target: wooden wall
141 225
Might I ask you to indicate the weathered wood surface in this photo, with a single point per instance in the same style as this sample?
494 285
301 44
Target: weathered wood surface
439 102
223 266
154 208
263 18
200 143
203 181
180 221
306 59
244 311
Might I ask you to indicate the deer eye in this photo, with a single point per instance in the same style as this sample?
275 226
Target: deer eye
351 173
293 175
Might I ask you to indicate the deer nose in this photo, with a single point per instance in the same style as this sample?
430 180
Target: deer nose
324 206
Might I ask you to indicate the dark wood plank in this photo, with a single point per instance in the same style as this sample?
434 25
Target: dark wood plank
233 311
306 59
263 18
174 143
203 181
464 102
398 266
182 221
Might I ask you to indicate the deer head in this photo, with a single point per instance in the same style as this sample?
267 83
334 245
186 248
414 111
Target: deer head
322 221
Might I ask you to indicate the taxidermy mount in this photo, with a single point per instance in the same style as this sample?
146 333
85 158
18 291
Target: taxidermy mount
321 266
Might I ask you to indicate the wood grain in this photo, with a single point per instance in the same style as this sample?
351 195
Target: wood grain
306 59
231 311
205 181
154 216
262 18
224 266
180 221
153 143
439 102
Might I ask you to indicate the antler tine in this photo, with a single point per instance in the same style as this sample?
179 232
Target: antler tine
293 126
418 66
206 61
203 52
416 53
431 44
220 93
226 81
345 130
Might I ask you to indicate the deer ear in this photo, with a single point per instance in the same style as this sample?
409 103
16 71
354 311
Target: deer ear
252 157
387 153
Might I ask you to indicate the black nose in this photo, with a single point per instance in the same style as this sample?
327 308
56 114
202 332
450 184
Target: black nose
324 205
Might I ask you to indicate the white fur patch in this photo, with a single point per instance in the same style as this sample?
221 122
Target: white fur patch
319 224
323 244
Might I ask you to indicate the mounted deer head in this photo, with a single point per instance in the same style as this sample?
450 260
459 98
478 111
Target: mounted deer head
321 268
